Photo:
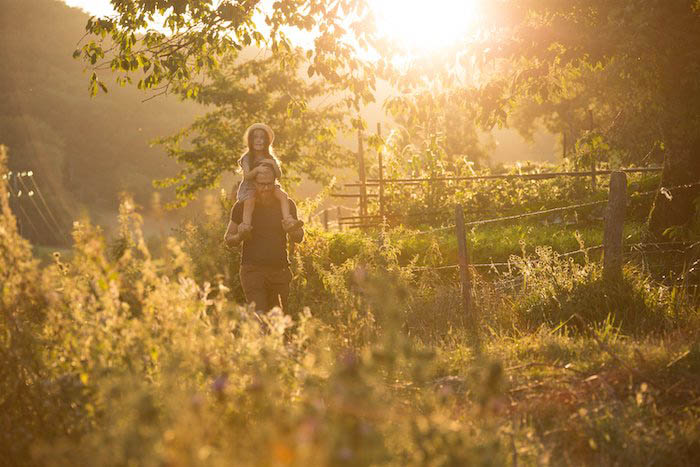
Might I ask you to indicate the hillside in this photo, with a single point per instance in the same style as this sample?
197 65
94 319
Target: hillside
83 151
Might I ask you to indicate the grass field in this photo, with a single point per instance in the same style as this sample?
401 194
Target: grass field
117 354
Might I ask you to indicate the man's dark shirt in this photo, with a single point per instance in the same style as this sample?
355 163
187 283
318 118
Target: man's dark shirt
268 244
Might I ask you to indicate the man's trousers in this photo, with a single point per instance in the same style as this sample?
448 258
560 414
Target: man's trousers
267 286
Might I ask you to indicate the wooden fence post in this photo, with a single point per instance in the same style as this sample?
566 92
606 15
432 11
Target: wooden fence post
593 162
563 144
325 220
363 177
380 162
464 274
338 216
614 223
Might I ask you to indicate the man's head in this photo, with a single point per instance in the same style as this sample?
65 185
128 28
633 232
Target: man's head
265 183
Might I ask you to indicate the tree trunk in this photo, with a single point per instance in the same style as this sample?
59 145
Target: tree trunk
681 167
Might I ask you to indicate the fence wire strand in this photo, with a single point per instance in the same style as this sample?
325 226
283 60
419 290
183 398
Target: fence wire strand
547 211
519 216
663 188
633 248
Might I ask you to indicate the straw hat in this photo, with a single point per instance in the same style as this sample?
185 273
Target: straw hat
263 127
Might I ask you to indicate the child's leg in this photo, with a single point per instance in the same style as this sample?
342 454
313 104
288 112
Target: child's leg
248 208
289 223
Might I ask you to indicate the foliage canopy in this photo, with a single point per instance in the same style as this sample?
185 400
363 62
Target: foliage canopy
619 77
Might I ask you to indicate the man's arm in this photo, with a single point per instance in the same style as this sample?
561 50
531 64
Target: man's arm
231 237
236 232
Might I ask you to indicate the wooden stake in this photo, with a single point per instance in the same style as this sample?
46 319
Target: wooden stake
563 144
325 220
338 215
593 164
380 162
614 223
363 177
464 274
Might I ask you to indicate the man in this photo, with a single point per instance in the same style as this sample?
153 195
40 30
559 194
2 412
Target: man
264 270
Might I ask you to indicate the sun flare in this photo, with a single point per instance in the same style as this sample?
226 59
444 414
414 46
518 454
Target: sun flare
422 27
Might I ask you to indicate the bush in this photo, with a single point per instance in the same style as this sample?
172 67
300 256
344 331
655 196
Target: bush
127 358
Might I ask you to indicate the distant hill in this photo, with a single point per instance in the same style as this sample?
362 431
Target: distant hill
83 151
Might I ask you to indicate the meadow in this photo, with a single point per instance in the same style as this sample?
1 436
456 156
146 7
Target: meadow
136 351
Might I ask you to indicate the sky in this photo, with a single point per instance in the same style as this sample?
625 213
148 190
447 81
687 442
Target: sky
409 22
93 7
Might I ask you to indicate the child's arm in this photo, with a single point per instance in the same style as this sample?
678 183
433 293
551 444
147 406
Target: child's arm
275 167
248 173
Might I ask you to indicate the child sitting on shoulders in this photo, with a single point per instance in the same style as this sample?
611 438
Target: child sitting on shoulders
259 138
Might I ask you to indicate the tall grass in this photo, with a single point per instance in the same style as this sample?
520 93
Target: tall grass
116 356
561 292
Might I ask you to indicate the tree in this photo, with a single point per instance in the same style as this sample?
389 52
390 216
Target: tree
202 51
634 61
438 116
305 124
638 67
622 78
194 35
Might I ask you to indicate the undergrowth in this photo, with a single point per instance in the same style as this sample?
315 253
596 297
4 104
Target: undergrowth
563 293
114 356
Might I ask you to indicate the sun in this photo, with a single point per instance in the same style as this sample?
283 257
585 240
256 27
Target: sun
93 7
420 26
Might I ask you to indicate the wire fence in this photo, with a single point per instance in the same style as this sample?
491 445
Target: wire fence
615 251
49 221
22 185
636 248
651 247
663 190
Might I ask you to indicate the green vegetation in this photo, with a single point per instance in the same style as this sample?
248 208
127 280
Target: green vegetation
124 357
136 350
616 88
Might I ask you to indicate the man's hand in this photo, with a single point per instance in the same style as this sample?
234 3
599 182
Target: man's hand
253 173
232 239
289 224
244 231
296 235
236 233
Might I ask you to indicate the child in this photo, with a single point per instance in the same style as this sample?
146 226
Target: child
259 138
